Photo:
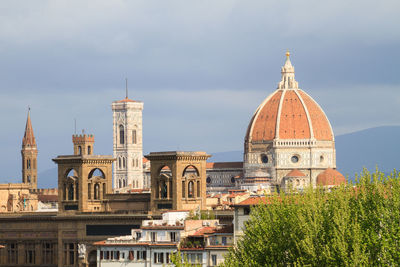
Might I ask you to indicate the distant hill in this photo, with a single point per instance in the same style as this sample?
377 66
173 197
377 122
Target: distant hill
48 178
367 148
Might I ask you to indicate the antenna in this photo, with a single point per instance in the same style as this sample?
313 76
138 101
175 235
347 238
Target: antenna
126 87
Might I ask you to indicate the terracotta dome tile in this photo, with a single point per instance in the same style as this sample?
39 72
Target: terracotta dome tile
321 127
295 173
293 118
330 177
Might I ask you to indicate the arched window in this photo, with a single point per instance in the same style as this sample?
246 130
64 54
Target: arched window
124 183
71 191
28 164
119 163
80 150
134 137
89 150
137 163
124 161
183 189
198 189
96 191
89 191
104 190
164 189
190 189
119 183
121 135
28 179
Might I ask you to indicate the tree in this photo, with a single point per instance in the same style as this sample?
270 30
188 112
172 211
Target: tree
180 259
352 225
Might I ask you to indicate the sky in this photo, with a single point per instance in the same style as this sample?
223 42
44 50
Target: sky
200 67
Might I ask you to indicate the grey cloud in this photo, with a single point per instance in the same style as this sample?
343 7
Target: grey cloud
201 67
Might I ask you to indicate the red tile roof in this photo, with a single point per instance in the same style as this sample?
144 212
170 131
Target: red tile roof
251 201
208 230
295 173
204 230
48 198
330 177
238 194
126 100
121 243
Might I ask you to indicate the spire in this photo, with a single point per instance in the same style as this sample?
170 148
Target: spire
29 138
288 81
126 87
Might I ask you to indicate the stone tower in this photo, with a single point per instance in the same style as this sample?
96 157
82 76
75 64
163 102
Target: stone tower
29 155
83 144
84 179
128 144
178 180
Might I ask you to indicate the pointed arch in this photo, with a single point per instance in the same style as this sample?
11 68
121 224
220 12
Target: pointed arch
71 173
190 169
121 135
96 172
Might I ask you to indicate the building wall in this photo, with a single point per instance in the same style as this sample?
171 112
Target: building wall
17 198
314 157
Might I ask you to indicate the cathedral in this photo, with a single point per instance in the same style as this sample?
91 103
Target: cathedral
289 143
289 140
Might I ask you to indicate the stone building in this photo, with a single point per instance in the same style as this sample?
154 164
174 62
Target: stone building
203 242
128 144
289 131
183 186
88 210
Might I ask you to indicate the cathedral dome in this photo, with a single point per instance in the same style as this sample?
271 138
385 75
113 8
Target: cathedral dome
289 113
330 177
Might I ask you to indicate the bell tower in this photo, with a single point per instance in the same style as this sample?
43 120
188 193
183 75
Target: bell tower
84 179
29 155
128 144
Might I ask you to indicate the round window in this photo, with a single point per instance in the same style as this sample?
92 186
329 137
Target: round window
208 180
264 158
295 159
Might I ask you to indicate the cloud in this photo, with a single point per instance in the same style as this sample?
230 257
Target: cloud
201 67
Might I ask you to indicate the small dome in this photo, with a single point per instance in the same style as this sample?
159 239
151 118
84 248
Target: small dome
289 113
330 177
295 173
